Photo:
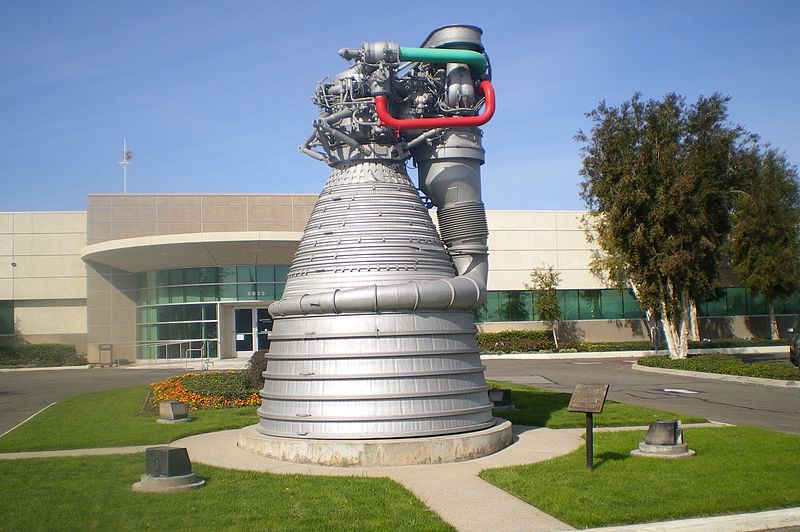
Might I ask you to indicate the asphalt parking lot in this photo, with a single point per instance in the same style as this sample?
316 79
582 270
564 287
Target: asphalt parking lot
728 402
23 393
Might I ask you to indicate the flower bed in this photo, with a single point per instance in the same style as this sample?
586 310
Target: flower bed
219 389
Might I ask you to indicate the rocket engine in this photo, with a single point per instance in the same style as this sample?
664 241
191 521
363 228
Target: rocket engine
374 335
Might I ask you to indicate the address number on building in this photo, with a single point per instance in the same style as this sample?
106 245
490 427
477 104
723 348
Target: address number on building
256 293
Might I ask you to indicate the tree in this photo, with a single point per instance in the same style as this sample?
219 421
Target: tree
765 239
657 181
544 282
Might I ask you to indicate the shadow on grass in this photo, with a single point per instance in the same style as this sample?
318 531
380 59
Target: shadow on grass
601 459
532 406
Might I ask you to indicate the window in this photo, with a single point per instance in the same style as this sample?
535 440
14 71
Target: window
611 304
568 301
6 317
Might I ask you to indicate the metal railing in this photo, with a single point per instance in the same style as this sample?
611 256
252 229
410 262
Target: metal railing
184 353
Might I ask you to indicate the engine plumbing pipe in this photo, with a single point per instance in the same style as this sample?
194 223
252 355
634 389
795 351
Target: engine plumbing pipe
399 124
445 55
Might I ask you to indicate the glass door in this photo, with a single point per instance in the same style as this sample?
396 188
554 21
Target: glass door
243 331
263 328
251 328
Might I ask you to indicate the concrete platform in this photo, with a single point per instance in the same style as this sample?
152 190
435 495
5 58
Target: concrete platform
379 453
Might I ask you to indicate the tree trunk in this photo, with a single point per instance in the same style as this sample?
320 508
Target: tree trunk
773 323
677 333
650 322
694 326
555 334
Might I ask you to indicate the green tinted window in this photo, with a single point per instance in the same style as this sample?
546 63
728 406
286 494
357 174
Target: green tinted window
514 306
227 274
589 305
568 300
280 273
265 274
6 317
191 276
192 294
162 296
176 294
265 291
162 278
492 306
209 292
756 303
246 274
611 304
246 291
716 306
208 275
792 304
175 277
737 302
630 306
227 292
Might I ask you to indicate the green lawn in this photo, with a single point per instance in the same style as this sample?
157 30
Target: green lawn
543 408
110 419
737 469
94 493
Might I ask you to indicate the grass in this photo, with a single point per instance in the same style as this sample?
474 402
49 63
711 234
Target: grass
726 365
111 418
94 493
543 408
737 469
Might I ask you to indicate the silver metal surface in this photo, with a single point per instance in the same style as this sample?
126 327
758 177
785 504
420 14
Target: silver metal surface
374 336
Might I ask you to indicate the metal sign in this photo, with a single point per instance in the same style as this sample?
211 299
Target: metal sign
588 398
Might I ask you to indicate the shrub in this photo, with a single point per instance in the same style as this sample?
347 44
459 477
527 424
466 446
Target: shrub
641 345
736 342
516 341
726 365
256 366
40 355
218 389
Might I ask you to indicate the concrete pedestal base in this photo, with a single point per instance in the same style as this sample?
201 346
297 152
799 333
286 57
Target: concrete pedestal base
386 452
663 451
167 484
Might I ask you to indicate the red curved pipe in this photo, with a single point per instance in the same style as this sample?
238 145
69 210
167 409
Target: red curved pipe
399 124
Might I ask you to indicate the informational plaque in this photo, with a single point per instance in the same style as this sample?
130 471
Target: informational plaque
588 398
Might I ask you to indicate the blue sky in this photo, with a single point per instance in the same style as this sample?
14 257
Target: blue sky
215 96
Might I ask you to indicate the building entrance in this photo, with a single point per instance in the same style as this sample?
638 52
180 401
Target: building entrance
251 328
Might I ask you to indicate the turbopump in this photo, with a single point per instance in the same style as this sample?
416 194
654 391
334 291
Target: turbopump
374 336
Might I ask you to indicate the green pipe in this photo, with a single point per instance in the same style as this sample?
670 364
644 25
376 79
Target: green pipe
444 55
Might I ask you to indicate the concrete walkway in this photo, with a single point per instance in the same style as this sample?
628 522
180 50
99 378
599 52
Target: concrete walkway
453 491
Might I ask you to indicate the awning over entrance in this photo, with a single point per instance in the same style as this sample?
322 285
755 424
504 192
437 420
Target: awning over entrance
188 250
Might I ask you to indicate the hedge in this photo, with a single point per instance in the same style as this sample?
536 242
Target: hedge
531 341
516 341
216 389
726 365
40 355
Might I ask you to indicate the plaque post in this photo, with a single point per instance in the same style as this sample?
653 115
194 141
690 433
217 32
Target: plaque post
589 442
590 399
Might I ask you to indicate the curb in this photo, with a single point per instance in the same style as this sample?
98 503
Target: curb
720 377
54 368
634 354
789 517
569 356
